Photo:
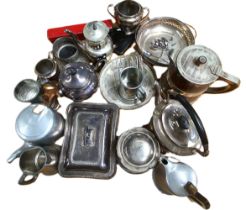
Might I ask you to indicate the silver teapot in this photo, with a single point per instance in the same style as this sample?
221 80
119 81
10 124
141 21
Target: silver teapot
78 81
173 177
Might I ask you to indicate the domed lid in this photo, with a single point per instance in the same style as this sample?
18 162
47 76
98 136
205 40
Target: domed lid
199 64
96 31
178 125
76 76
34 122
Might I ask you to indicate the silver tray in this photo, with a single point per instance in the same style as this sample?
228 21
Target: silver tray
88 150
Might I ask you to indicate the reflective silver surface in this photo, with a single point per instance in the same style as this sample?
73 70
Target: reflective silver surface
161 38
170 176
137 150
175 129
97 43
112 79
89 145
66 50
46 69
128 15
28 90
78 81
35 160
39 125
96 31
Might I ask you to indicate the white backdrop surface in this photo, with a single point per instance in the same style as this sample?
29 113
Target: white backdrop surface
220 26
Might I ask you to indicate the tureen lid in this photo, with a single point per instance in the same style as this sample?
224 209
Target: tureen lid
199 64
96 31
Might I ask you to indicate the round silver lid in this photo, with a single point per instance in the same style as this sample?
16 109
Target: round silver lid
177 125
76 76
34 122
96 31
199 64
137 150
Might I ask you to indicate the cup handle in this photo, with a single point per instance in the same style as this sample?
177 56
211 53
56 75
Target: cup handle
23 181
108 9
232 82
197 121
141 94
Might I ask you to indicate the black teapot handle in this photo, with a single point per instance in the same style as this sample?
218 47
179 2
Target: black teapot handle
196 120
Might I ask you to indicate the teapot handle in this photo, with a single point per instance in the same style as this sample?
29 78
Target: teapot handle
232 82
108 9
196 120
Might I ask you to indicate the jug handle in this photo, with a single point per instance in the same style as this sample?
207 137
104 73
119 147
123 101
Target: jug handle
196 120
195 196
23 181
108 9
232 82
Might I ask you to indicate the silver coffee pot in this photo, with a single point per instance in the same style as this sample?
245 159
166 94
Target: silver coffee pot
195 70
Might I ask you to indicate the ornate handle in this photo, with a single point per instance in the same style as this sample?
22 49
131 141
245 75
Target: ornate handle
196 120
195 196
232 82
108 9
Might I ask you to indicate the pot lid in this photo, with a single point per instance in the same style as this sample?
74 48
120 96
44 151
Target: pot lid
76 76
199 64
96 31
178 125
34 122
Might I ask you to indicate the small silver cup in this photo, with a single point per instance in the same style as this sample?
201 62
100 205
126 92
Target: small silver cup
35 160
46 69
131 79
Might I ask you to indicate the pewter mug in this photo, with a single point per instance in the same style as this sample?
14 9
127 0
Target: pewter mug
128 15
37 160
131 79
46 70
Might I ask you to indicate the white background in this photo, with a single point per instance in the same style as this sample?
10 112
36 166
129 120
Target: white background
220 26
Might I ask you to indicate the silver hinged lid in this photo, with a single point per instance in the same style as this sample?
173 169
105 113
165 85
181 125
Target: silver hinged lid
96 31
173 120
199 64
